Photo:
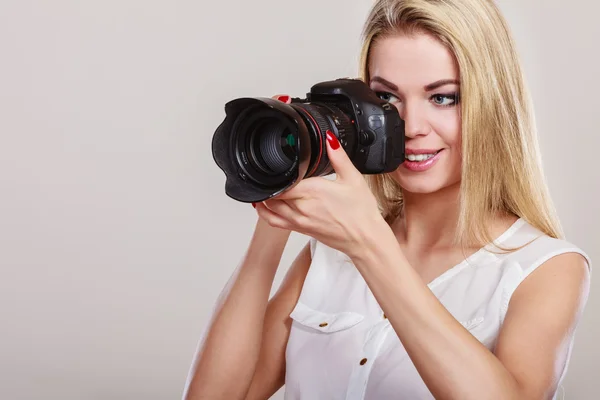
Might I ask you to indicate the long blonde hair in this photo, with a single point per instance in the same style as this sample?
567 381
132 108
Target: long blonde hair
501 162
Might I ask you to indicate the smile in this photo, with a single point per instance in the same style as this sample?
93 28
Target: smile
421 162
420 157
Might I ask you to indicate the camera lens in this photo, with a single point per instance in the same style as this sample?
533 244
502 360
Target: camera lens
266 146
264 143
272 147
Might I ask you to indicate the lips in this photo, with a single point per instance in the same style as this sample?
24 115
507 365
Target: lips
420 166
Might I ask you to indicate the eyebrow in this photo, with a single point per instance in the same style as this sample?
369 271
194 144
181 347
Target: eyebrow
427 88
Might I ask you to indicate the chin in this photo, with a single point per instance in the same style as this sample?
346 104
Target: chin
421 188
424 184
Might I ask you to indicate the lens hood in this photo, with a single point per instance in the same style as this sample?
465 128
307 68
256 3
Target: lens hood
236 165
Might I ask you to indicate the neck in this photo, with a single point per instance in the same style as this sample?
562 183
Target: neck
428 220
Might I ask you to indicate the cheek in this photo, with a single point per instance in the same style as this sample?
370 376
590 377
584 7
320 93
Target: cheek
448 127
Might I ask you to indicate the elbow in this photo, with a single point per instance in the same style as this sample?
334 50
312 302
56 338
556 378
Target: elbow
533 391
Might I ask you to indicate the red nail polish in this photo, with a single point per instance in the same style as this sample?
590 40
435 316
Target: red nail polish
283 98
333 141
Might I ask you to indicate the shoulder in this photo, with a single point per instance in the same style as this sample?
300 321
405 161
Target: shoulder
542 263
540 250
557 280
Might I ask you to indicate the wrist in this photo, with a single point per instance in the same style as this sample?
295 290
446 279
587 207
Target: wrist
265 232
373 239
267 245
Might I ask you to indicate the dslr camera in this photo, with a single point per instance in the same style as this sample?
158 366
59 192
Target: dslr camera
265 146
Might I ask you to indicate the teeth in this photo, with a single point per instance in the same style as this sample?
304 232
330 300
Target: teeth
419 157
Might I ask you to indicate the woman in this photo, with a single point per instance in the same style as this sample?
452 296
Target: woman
400 293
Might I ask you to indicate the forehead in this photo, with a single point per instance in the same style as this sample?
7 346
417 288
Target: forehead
412 61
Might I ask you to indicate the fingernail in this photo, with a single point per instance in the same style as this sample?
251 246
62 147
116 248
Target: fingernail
333 142
283 98
254 205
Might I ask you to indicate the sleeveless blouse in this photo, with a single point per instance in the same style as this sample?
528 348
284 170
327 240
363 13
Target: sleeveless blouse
341 346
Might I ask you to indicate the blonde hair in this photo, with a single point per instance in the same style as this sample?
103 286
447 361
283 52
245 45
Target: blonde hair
501 161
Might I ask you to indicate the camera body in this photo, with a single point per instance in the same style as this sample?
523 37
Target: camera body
376 145
265 146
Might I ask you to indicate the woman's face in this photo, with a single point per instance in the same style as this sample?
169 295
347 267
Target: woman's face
420 77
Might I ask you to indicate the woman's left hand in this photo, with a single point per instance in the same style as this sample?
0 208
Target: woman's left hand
340 213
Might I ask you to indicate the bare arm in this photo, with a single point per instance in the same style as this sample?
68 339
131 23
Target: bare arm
270 371
243 351
532 345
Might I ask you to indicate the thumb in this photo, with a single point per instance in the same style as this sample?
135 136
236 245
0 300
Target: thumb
341 163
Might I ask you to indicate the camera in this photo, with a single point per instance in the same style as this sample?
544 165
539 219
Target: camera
265 146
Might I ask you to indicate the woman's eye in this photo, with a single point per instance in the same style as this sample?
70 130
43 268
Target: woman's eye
445 100
390 98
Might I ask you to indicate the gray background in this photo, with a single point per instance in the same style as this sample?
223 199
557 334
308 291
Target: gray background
116 233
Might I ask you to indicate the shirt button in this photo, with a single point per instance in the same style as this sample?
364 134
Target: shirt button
322 324
363 361
384 316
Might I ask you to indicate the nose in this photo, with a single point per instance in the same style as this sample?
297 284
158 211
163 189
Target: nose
415 120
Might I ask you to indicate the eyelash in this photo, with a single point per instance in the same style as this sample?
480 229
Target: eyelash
455 97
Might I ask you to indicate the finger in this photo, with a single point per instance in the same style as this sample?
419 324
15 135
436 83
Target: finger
283 97
272 218
341 163
303 190
282 208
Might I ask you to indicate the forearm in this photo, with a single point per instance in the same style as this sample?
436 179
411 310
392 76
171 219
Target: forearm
228 352
452 362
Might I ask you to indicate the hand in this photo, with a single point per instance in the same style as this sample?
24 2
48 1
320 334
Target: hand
340 213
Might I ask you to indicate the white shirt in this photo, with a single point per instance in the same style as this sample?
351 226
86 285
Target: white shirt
342 347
